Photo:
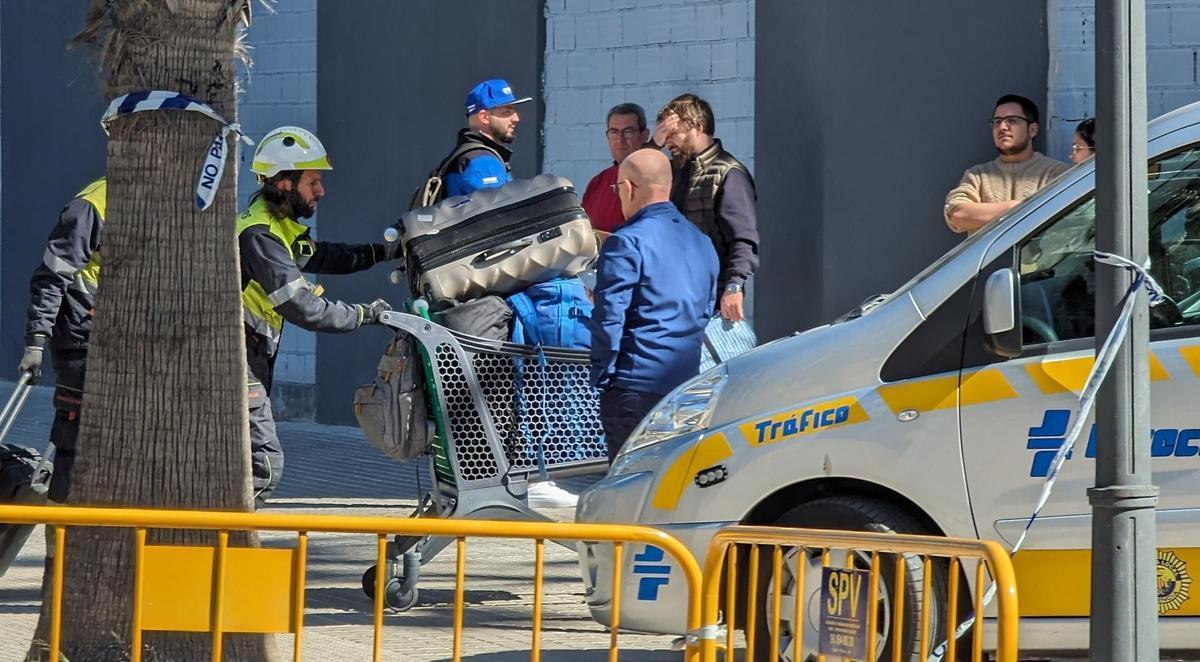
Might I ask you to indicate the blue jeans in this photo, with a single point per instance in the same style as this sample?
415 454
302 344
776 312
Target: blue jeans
620 412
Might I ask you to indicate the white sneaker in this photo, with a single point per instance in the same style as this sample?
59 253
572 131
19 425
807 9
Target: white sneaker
550 495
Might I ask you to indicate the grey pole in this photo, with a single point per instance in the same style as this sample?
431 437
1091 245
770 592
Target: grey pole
1124 620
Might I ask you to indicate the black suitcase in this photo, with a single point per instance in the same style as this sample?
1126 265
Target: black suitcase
17 465
497 241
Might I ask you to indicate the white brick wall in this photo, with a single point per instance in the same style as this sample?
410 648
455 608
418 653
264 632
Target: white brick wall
281 88
1172 44
603 52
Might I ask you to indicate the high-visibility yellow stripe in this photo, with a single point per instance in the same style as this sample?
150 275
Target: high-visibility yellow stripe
702 455
942 392
1063 375
1057 582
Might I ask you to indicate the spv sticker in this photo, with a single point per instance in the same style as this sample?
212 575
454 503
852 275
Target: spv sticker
844 613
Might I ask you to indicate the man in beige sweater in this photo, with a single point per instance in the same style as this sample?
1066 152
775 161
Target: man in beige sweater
989 189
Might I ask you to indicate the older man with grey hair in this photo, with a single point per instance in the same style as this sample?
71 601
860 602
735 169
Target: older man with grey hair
626 132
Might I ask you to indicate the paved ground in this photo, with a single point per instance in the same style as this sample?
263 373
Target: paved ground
334 470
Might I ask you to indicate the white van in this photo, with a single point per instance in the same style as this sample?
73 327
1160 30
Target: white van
906 416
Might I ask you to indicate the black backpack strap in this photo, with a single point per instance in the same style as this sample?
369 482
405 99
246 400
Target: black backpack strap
461 150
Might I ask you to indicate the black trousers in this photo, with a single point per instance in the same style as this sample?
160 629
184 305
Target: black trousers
266 453
620 412
71 366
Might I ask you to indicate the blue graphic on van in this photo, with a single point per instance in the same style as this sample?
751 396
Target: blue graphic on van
650 562
1047 438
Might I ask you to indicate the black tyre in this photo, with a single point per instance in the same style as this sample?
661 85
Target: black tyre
848 514
394 596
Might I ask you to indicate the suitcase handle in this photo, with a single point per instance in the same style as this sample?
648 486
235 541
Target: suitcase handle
501 252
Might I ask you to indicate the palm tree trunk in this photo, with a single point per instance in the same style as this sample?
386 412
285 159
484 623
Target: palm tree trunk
164 420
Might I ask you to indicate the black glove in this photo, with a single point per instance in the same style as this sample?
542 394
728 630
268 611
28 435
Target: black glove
387 252
371 312
31 362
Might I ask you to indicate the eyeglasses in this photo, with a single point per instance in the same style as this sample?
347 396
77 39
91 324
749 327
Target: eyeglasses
1081 148
616 188
628 133
1007 120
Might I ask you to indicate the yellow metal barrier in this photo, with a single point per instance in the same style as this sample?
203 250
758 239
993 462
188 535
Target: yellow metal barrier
793 550
262 590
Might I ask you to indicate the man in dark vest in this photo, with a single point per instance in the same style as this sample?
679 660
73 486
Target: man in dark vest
714 191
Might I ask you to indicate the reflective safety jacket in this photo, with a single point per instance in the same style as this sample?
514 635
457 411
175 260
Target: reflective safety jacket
63 286
274 252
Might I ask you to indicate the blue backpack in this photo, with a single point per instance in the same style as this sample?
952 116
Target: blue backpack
552 314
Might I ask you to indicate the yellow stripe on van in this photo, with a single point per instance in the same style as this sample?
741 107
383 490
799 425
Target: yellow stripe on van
1191 354
805 421
1057 582
709 451
1063 375
981 386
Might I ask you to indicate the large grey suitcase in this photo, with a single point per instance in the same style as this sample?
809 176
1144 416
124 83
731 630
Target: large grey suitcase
497 241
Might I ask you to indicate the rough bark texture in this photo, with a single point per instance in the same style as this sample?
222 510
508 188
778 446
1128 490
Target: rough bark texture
164 422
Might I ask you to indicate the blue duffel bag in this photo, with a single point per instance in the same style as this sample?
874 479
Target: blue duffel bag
552 314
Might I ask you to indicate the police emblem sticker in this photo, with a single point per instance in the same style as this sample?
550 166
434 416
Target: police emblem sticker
1174 582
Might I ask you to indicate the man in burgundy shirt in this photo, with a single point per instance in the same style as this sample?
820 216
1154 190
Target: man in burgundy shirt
626 133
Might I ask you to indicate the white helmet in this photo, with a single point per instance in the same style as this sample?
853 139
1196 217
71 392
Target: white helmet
289 148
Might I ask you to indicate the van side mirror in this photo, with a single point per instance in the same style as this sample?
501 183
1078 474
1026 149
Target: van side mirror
1000 313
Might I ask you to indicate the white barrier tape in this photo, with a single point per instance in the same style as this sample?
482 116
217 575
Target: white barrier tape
1087 399
214 158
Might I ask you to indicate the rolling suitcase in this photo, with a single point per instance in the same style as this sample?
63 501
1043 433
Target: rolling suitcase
497 241
24 478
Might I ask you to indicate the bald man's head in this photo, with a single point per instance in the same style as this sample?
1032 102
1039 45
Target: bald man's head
648 173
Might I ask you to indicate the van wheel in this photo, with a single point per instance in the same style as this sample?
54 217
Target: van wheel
847 514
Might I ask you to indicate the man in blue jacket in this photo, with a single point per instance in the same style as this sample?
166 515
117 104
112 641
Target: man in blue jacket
656 283
481 155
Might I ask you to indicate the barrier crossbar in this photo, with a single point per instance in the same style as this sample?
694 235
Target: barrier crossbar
791 561
223 559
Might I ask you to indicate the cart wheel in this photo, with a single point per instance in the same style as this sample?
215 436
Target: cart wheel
393 595
368 582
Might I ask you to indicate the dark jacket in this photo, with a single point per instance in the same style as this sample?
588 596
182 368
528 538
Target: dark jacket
715 191
478 168
63 287
655 292
265 260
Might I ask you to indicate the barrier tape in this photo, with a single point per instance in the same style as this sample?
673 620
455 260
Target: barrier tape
1087 399
214 158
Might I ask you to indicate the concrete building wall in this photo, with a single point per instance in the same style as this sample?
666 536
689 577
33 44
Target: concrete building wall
603 52
52 144
279 89
867 113
1172 49
393 79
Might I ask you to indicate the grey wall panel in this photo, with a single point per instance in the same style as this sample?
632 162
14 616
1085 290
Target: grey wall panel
391 81
867 113
52 145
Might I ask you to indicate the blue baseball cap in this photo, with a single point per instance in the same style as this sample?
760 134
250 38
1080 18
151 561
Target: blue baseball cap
491 94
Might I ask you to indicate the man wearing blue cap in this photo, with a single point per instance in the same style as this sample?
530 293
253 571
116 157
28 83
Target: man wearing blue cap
480 159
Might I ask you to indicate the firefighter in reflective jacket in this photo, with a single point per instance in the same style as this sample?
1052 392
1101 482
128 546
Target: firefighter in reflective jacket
275 248
62 299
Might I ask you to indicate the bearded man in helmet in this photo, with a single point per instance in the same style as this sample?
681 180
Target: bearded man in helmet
275 248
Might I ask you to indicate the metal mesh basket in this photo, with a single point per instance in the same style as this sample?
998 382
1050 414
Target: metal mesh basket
536 401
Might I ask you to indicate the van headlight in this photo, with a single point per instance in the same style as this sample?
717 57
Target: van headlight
685 410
